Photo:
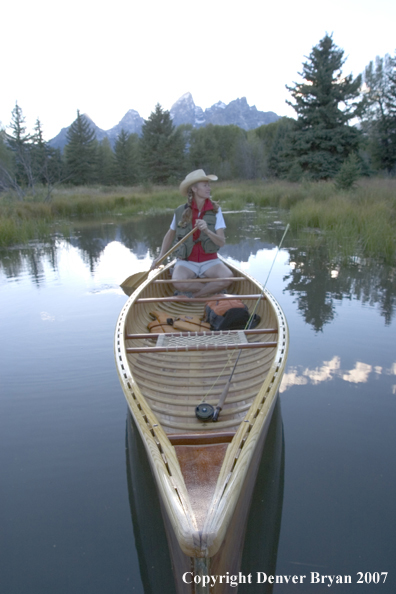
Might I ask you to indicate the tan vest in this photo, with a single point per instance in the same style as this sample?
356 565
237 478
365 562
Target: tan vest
183 252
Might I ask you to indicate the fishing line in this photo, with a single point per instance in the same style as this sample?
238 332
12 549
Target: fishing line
205 412
266 280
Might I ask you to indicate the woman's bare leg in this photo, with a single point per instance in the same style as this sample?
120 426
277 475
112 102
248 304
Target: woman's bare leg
184 274
219 270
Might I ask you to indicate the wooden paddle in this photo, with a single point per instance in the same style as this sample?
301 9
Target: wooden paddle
131 283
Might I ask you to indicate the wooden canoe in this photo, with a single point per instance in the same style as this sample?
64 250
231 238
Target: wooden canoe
204 471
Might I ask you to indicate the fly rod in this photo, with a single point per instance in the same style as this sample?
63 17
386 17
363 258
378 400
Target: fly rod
224 393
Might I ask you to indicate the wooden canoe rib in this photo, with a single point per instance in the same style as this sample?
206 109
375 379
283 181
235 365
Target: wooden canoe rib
204 472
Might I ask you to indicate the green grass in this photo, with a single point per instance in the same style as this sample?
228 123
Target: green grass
362 221
89 202
14 231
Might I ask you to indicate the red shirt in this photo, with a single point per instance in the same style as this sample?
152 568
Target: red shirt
198 254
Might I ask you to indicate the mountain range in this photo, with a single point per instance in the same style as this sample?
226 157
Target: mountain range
184 111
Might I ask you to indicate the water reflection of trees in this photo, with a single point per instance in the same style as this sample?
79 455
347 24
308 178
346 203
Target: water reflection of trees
29 260
318 282
140 235
144 235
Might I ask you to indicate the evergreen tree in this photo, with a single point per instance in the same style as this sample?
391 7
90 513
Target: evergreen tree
231 140
204 150
46 162
250 157
217 149
20 144
126 158
391 108
349 173
80 152
105 163
277 142
7 163
161 148
325 102
40 155
379 117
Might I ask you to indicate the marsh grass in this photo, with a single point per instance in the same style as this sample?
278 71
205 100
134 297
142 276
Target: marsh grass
89 202
360 221
14 231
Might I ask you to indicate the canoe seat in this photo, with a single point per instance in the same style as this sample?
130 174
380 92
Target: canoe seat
209 438
205 338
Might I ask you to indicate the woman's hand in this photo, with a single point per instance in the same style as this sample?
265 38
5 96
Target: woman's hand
202 225
154 263
217 236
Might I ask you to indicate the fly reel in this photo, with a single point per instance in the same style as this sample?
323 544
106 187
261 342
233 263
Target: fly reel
204 412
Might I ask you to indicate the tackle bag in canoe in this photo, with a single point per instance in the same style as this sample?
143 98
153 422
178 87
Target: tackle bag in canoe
230 314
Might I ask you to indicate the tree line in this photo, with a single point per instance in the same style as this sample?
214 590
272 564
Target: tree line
344 127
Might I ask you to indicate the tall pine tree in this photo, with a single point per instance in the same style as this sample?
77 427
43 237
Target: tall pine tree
20 142
391 107
7 163
161 148
40 155
105 163
325 102
80 152
379 118
126 158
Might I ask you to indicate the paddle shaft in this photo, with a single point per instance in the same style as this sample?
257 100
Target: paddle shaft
178 244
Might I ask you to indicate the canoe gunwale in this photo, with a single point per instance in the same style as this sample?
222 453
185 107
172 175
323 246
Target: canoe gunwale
240 451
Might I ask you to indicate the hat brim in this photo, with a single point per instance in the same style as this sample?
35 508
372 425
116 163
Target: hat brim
185 185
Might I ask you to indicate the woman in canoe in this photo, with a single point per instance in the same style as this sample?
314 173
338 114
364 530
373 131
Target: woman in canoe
197 256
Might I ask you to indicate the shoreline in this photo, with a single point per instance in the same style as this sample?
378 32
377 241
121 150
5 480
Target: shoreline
360 221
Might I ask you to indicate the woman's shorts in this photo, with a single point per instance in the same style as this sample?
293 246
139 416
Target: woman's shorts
199 268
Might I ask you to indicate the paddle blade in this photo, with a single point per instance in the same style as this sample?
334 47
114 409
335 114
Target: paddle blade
131 283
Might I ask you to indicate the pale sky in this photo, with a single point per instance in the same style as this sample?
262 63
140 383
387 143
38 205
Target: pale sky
104 58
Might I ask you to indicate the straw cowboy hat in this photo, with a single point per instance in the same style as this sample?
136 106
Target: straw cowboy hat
193 178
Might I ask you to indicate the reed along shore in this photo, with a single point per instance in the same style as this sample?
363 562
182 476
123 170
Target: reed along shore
361 221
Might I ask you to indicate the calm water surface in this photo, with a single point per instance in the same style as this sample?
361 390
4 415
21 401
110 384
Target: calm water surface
71 518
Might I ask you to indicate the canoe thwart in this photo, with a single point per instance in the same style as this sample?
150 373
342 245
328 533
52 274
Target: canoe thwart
202 347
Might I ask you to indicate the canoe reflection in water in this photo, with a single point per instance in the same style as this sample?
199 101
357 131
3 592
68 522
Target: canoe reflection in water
263 526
